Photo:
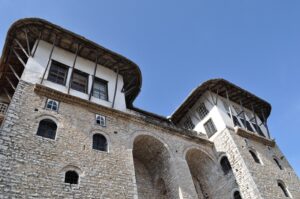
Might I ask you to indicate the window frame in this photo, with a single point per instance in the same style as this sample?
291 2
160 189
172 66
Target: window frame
97 79
103 117
39 129
188 123
58 64
101 148
255 156
83 74
46 104
202 111
207 130
284 189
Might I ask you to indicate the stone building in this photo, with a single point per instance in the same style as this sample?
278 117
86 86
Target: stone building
69 129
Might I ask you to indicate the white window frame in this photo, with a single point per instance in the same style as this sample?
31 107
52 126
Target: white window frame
51 108
101 120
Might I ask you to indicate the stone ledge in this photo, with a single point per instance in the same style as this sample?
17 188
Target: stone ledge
253 136
93 107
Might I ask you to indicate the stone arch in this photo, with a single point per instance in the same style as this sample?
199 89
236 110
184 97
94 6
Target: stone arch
204 171
153 168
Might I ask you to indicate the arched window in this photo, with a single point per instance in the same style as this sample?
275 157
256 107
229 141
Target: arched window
99 142
52 105
254 156
226 167
71 177
47 128
277 162
284 189
237 195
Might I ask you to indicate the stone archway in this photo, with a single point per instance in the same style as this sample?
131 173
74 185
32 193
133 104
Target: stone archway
152 168
205 173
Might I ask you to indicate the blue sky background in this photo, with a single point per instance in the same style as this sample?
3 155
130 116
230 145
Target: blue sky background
180 44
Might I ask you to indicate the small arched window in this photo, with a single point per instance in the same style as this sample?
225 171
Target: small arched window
99 142
52 105
226 167
278 164
71 177
283 189
254 156
237 195
47 128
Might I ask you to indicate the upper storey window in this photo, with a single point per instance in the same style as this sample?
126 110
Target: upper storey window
188 123
202 111
100 89
79 81
58 73
210 128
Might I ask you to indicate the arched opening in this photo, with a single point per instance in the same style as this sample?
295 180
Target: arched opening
277 163
226 167
283 189
254 156
237 195
47 128
71 177
99 142
204 173
152 168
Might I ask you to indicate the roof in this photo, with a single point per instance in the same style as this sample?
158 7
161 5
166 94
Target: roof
235 93
65 39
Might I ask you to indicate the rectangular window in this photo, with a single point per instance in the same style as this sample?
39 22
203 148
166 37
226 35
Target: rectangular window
101 120
202 111
80 81
248 126
236 121
100 89
210 128
258 129
188 124
58 73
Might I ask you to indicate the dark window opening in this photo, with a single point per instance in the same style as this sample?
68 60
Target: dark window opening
284 190
100 89
248 126
258 129
188 123
236 121
210 128
226 167
52 105
254 156
277 162
80 81
58 73
99 142
202 111
47 128
237 195
71 177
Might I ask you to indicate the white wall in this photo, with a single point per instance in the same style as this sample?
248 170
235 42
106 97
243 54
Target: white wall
217 113
36 66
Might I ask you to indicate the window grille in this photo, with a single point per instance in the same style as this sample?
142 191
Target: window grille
52 105
101 120
58 73
210 128
71 177
79 81
100 89
202 111
3 108
47 128
188 123
99 142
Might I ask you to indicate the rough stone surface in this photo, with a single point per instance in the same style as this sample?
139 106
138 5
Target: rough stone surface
143 160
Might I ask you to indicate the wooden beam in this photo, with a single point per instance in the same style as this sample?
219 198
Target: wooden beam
14 72
116 86
18 56
7 94
49 59
22 48
11 84
73 66
36 46
27 41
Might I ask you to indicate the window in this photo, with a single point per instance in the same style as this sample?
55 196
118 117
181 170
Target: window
3 107
226 106
52 105
283 189
100 89
101 120
237 195
210 128
99 142
226 167
202 111
278 164
254 156
79 81
236 121
71 177
258 129
188 124
58 73
248 126
47 128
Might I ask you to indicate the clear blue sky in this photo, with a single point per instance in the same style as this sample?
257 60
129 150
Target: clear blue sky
179 44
